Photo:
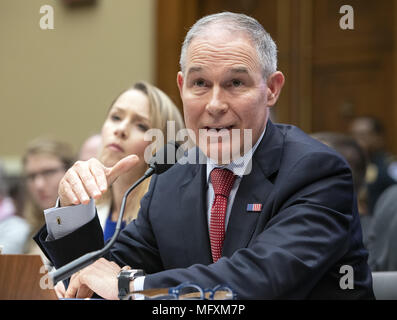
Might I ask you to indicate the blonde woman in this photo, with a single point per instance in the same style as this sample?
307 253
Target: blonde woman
133 112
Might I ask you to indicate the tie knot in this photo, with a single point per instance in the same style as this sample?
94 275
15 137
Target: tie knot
222 181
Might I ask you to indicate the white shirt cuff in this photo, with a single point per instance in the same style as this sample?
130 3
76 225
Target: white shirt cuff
138 286
65 220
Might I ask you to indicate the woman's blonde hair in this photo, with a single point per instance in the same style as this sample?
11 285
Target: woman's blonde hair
161 110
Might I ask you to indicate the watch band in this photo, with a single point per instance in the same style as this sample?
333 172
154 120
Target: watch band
124 279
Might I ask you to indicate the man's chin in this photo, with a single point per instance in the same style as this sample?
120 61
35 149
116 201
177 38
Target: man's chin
225 146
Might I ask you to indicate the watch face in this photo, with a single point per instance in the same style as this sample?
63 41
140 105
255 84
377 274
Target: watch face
124 274
134 273
131 274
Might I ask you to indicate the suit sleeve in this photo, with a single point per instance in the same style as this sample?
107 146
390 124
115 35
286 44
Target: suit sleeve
308 233
87 238
135 246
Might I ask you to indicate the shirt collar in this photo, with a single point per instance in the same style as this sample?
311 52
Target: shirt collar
238 166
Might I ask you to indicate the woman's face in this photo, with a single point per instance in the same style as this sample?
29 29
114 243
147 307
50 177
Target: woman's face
43 174
124 128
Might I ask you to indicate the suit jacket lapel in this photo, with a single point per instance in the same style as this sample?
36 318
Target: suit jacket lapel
254 188
195 235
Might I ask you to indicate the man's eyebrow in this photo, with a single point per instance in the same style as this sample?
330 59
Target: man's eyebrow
239 70
194 69
232 70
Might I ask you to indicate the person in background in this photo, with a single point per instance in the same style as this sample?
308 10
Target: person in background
90 147
14 230
136 110
355 156
381 169
45 161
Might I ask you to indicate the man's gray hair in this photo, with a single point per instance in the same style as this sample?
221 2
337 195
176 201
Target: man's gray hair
263 42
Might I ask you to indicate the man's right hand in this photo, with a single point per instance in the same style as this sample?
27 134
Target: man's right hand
91 179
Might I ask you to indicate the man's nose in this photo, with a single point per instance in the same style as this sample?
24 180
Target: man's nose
217 104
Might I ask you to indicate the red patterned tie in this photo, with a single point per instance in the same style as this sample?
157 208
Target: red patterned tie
222 181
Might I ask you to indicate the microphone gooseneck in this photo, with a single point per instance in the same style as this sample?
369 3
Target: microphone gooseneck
158 164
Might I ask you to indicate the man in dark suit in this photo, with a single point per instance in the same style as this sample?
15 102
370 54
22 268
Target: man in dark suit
287 225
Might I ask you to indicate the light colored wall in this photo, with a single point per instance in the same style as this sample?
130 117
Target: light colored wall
60 82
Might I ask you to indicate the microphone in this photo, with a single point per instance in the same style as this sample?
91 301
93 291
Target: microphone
157 164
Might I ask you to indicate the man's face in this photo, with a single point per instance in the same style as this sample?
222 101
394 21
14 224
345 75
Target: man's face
222 90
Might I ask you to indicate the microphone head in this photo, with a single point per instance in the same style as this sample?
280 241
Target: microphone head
164 158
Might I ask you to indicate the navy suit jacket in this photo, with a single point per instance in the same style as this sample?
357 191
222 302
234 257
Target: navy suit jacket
294 248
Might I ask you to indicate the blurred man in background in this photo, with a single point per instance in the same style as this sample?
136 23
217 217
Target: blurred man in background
382 169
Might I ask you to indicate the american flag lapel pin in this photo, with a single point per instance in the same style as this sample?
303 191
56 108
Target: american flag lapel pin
254 207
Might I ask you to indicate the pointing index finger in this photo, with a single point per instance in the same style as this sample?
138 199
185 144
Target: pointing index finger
98 171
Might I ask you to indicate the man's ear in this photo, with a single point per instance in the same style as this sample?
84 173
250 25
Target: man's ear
275 83
179 81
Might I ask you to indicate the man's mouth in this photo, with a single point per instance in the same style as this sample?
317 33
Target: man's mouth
218 128
223 132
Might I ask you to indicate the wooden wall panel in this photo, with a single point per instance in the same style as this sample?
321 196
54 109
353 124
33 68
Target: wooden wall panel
351 68
174 17
263 11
